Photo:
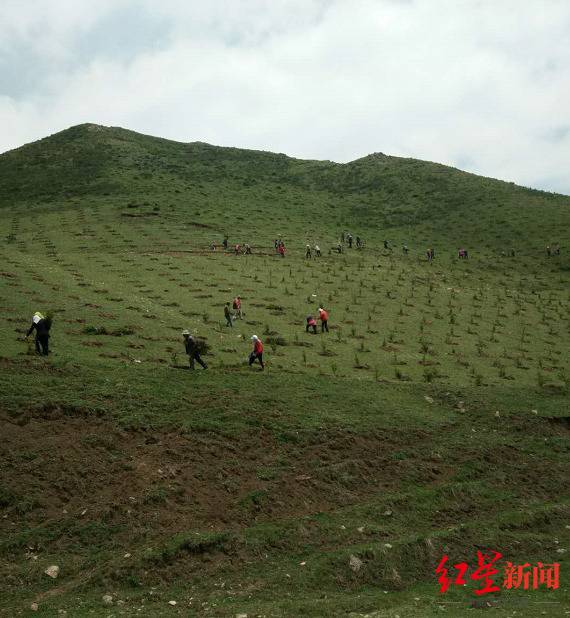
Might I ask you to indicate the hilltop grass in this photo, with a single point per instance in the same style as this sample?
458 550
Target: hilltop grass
431 419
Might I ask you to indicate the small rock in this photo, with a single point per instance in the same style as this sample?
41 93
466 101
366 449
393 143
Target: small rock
428 398
107 599
52 571
387 546
361 529
34 607
172 603
127 556
355 563
302 563
241 615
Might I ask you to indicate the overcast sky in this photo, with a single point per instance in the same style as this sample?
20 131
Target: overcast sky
483 85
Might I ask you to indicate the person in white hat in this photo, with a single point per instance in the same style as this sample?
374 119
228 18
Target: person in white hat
41 324
257 352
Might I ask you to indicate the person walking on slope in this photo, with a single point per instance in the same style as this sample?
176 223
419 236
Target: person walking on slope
228 315
349 238
311 323
317 251
41 324
308 253
281 249
324 318
191 346
237 307
257 352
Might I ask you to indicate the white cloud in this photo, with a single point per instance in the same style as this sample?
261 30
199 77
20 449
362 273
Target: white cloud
475 83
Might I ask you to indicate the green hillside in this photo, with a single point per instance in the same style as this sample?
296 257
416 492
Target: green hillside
260 191
432 419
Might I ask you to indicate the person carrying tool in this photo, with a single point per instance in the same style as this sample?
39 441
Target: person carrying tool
42 325
191 346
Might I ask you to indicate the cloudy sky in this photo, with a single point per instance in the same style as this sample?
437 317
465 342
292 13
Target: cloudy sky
483 85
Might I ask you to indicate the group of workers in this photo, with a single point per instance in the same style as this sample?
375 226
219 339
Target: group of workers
279 247
312 322
554 250
237 313
41 324
309 252
192 347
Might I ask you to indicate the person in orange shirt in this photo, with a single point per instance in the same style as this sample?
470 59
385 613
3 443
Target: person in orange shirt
324 318
257 352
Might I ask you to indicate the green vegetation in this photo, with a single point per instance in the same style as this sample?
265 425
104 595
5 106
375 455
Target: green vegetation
432 418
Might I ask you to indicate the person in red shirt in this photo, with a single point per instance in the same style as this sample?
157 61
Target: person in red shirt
311 323
257 352
281 250
237 307
324 318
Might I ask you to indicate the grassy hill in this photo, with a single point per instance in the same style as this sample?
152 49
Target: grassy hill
405 199
432 418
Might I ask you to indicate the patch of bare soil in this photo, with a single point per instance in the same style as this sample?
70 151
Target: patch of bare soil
67 463
97 484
